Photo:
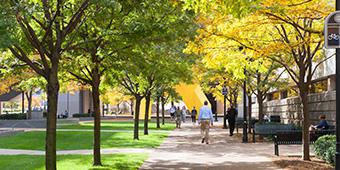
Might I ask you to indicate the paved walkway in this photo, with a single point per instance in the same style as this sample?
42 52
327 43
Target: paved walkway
184 150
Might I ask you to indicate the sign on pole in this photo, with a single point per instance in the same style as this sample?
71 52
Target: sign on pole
332 30
332 40
224 90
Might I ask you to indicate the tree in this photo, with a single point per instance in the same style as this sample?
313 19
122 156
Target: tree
28 86
163 23
94 50
298 27
286 32
44 30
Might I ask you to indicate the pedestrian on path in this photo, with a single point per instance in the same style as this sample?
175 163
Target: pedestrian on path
178 117
205 119
172 112
193 115
184 114
231 116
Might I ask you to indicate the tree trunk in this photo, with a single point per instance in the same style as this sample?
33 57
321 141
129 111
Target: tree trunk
259 97
146 117
306 124
235 95
23 103
131 106
107 108
213 103
163 110
157 111
52 100
261 114
249 113
136 124
260 102
103 108
29 104
96 109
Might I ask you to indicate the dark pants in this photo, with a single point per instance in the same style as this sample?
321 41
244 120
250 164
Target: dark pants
193 119
231 126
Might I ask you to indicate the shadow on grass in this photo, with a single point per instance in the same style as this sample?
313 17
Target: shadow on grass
73 162
126 125
81 140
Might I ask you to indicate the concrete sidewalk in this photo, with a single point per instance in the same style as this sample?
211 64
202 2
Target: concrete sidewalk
184 150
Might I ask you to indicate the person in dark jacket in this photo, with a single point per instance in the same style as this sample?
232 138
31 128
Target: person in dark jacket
323 125
193 115
231 116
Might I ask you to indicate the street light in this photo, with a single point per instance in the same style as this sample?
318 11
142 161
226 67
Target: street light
245 135
337 61
224 93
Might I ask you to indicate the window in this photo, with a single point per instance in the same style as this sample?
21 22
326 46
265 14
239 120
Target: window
284 94
292 92
273 96
320 86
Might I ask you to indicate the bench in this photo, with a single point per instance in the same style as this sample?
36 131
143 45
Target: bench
294 137
239 123
270 128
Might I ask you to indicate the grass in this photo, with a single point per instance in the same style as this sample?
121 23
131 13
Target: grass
126 125
35 140
73 162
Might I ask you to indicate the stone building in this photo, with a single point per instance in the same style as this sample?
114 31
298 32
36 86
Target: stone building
321 99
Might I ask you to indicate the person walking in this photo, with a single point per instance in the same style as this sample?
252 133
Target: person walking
172 112
231 116
184 114
193 115
178 117
205 119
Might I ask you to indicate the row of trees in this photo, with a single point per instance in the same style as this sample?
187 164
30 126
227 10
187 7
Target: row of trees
275 37
132 45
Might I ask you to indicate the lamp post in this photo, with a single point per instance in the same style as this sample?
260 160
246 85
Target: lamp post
337 61
245 135
224 93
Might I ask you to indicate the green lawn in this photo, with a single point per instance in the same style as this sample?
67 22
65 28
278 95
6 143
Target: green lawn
127 125
81 140
73 162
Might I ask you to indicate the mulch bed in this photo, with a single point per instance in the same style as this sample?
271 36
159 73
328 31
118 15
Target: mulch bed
296 163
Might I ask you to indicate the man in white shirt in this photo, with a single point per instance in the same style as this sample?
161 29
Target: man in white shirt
172 112
205 119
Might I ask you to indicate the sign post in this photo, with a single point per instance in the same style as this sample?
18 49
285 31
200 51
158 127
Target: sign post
332 40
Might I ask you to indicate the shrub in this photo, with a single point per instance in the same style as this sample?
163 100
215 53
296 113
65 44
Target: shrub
82 115
324 148
13 116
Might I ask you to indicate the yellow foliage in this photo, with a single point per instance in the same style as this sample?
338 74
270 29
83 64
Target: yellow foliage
260 33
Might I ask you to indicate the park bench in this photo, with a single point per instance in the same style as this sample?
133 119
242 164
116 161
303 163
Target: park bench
270 128
294 137
239 123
